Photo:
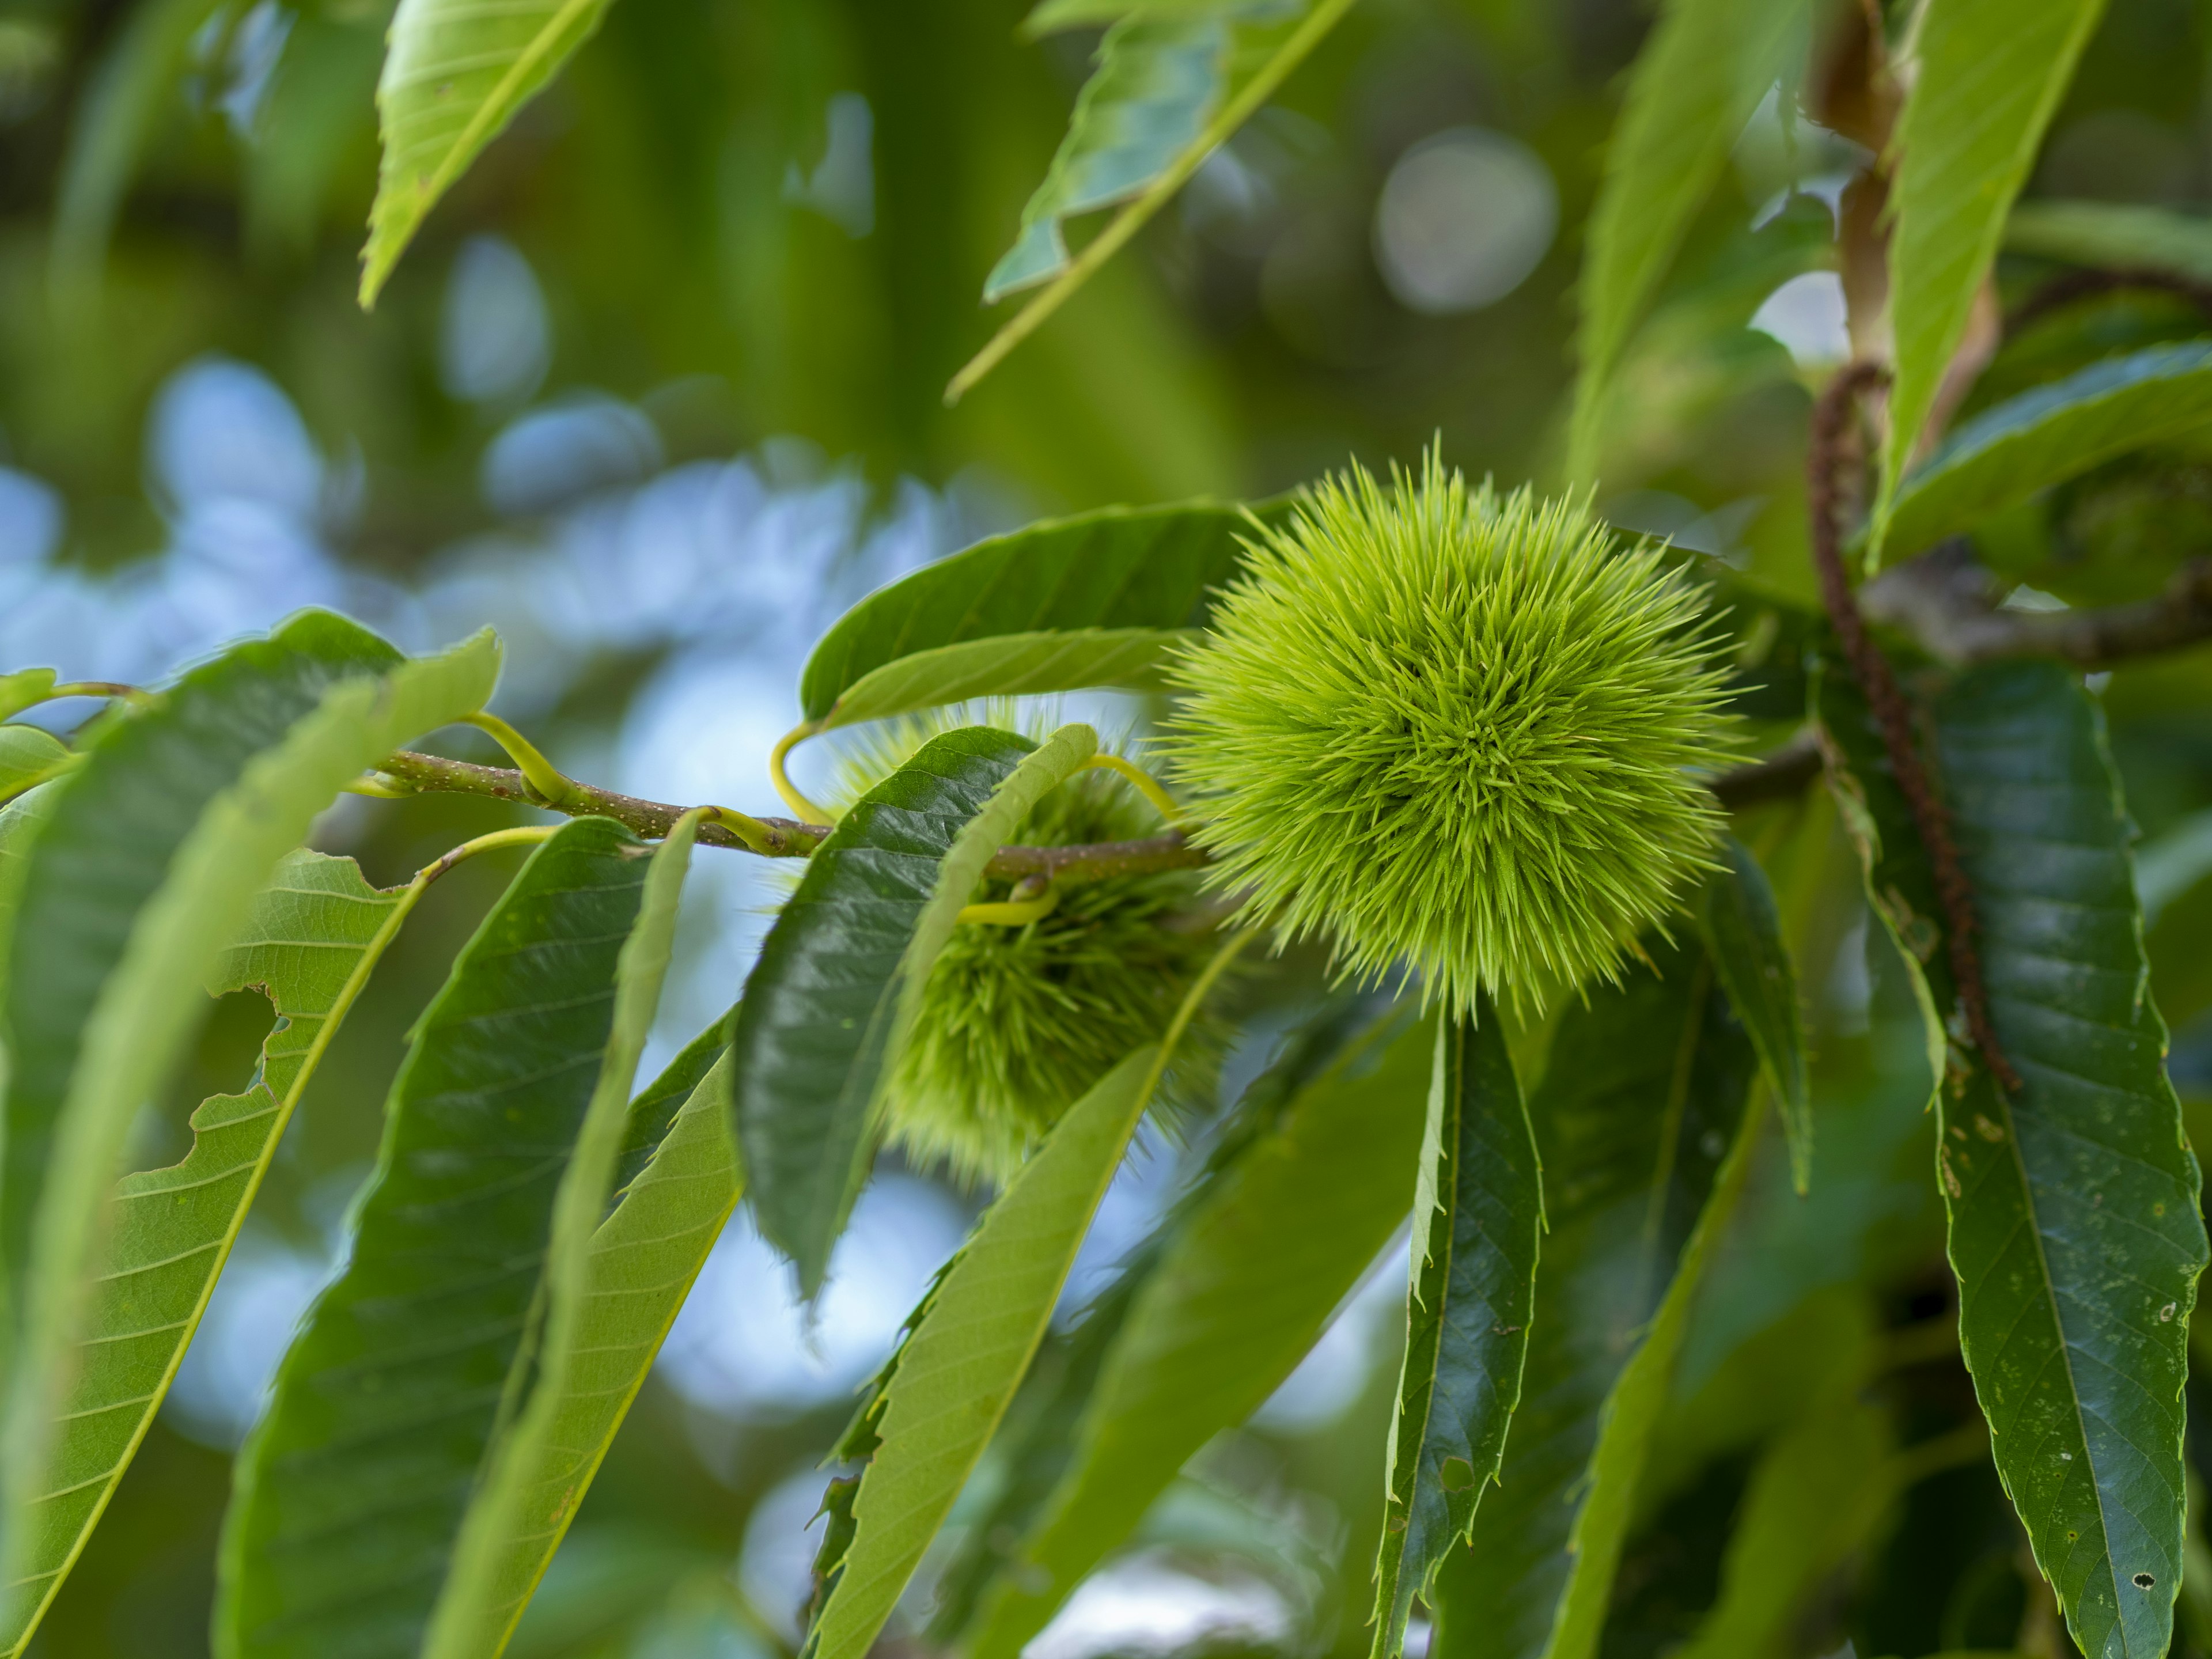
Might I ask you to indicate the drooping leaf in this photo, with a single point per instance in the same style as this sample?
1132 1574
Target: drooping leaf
1239 1297
827 1007
1159 79
2073 1203
154 848
351 1493
27 756
2026 444
313 935
1009 665
1037 1443
1988 75
537 1471
1742 931
1644 1095
1699 76
24 689
2113 236
1478 1210
968 1351
1114 571
455 73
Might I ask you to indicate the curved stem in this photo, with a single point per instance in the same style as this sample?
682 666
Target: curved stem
1014 913
553 787
807 811
1147 785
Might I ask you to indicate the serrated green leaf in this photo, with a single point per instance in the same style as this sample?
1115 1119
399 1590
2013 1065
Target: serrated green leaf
2113 236
28 756
1116 570
1159 79
969 1350
1239 1298
501 1139
313 935
2024 446
827 1007
2073 1204
153 848
1699 76
1009 665
1742 931
1478 1212
1987 77
455 73
1644 1093
537 1472
1037 1444
25 687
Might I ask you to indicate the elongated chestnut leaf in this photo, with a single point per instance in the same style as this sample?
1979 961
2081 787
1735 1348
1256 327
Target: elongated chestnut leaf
1478 1212
1743 932
1117 570
153 848
826 1008
1643 1096
2073 1203
1240 1297
1010 665
359 1497
313 933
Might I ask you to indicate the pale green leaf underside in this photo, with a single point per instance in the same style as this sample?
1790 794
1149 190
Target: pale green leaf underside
1695 82
1989 74
24 689
1241 1297
961 1366
308 936
2024 446
2113 236
1010 665
454 75
147 1005
508 1535
27 755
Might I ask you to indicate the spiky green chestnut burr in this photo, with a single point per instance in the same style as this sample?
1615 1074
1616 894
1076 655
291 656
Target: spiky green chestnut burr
1017 1023
1437 728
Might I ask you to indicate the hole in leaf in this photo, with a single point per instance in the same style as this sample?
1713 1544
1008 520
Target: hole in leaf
2144 1581
1457 1475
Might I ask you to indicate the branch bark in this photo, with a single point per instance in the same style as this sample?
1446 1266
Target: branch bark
1947 602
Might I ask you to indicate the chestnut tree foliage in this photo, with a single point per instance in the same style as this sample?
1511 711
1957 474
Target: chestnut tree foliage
1509 839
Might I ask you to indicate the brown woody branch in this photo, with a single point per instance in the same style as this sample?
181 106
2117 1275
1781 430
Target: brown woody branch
1949 603
1784 773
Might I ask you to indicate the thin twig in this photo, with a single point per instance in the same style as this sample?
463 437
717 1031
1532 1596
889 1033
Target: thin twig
1892 713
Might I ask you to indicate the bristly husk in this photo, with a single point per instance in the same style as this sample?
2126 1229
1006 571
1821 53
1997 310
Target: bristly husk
1438 728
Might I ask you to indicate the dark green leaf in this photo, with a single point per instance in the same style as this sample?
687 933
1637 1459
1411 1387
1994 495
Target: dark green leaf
1988 75
1702 72
1239 1298
1645 1094
1478 1211
2073 1204
969 1349
2024 446
1743 932
352 1493
827 1006
1115 570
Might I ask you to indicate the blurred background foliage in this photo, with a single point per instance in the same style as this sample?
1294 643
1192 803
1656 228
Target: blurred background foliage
658 391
